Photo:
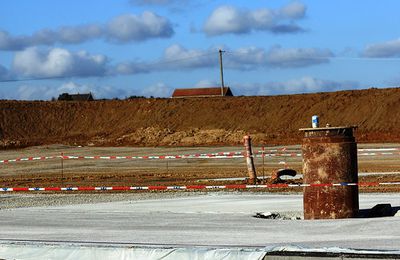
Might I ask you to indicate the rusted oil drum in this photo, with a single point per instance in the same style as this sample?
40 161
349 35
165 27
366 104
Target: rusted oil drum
330 156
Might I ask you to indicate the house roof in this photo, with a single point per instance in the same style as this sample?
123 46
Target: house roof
201 92
81 97
76 97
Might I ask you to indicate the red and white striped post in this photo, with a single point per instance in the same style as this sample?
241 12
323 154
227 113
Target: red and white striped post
249 160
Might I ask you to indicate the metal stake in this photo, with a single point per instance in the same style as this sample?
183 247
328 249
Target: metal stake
263 148
62 169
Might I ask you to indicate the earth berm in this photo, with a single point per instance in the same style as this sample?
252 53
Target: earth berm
198 121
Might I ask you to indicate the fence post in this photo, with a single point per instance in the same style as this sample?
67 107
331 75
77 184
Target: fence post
263 156
249 160
62 169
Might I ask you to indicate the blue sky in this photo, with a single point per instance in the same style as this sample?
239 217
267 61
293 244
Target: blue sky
120 48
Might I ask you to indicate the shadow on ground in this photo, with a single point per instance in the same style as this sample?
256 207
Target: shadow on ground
379 210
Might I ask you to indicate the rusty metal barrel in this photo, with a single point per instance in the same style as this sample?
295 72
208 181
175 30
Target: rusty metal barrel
330 156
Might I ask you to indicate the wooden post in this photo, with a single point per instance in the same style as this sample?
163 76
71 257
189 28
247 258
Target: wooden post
62 169
249 160
222 72
263 156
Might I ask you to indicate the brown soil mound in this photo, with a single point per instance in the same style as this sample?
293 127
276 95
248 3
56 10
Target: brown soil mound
199 121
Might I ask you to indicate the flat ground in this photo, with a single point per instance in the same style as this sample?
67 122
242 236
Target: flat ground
173 220
374 165
207 219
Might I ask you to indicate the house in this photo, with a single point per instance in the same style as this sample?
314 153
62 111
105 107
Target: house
202 92
76 97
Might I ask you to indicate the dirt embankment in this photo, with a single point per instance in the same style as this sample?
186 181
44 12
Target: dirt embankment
199 121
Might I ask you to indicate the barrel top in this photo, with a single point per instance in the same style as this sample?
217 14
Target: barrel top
328 128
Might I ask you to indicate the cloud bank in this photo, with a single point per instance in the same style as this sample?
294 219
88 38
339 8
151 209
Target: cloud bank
305 84
58 62
229 19
177 57
388 49
121 29
4 73
159 89
47 92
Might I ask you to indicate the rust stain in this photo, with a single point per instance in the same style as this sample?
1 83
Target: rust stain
330 157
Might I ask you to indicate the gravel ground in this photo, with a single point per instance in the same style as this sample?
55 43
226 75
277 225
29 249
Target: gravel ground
24 200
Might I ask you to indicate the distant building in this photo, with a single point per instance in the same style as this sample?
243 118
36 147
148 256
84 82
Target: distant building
76 97
202 92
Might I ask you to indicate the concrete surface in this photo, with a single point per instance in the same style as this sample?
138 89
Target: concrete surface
216 219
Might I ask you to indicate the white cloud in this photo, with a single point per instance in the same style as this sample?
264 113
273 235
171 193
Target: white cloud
58 62
79 34
248 58
8 42
96 90
229 19
294 10
31 92
157 90
4 73
127 28
245 58
383 50
205 83
177 57
128 68
305 84
297 57
122 29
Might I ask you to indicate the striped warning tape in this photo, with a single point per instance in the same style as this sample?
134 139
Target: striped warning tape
198 187
30 159
219 155
185 156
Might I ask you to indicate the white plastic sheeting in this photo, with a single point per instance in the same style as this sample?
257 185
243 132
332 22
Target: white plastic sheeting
337 250
33 251
214 220
73 252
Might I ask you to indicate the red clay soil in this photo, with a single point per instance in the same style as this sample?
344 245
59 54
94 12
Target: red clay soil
198 121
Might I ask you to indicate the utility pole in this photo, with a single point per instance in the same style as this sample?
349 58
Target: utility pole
222 72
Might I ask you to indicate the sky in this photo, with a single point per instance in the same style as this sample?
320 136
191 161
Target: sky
123 48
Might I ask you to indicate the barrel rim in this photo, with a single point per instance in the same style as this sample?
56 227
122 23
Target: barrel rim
329 128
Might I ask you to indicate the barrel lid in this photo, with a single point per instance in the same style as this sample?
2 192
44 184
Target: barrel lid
328 128
329 132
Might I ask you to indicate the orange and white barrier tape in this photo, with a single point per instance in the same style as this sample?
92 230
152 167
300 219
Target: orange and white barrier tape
199 187
219 155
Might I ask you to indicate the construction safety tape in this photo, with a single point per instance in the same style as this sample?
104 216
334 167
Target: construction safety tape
220 155
199 187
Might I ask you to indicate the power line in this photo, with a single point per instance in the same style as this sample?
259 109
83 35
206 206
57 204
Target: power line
34 79
335 57
364 58
163 62
160 62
